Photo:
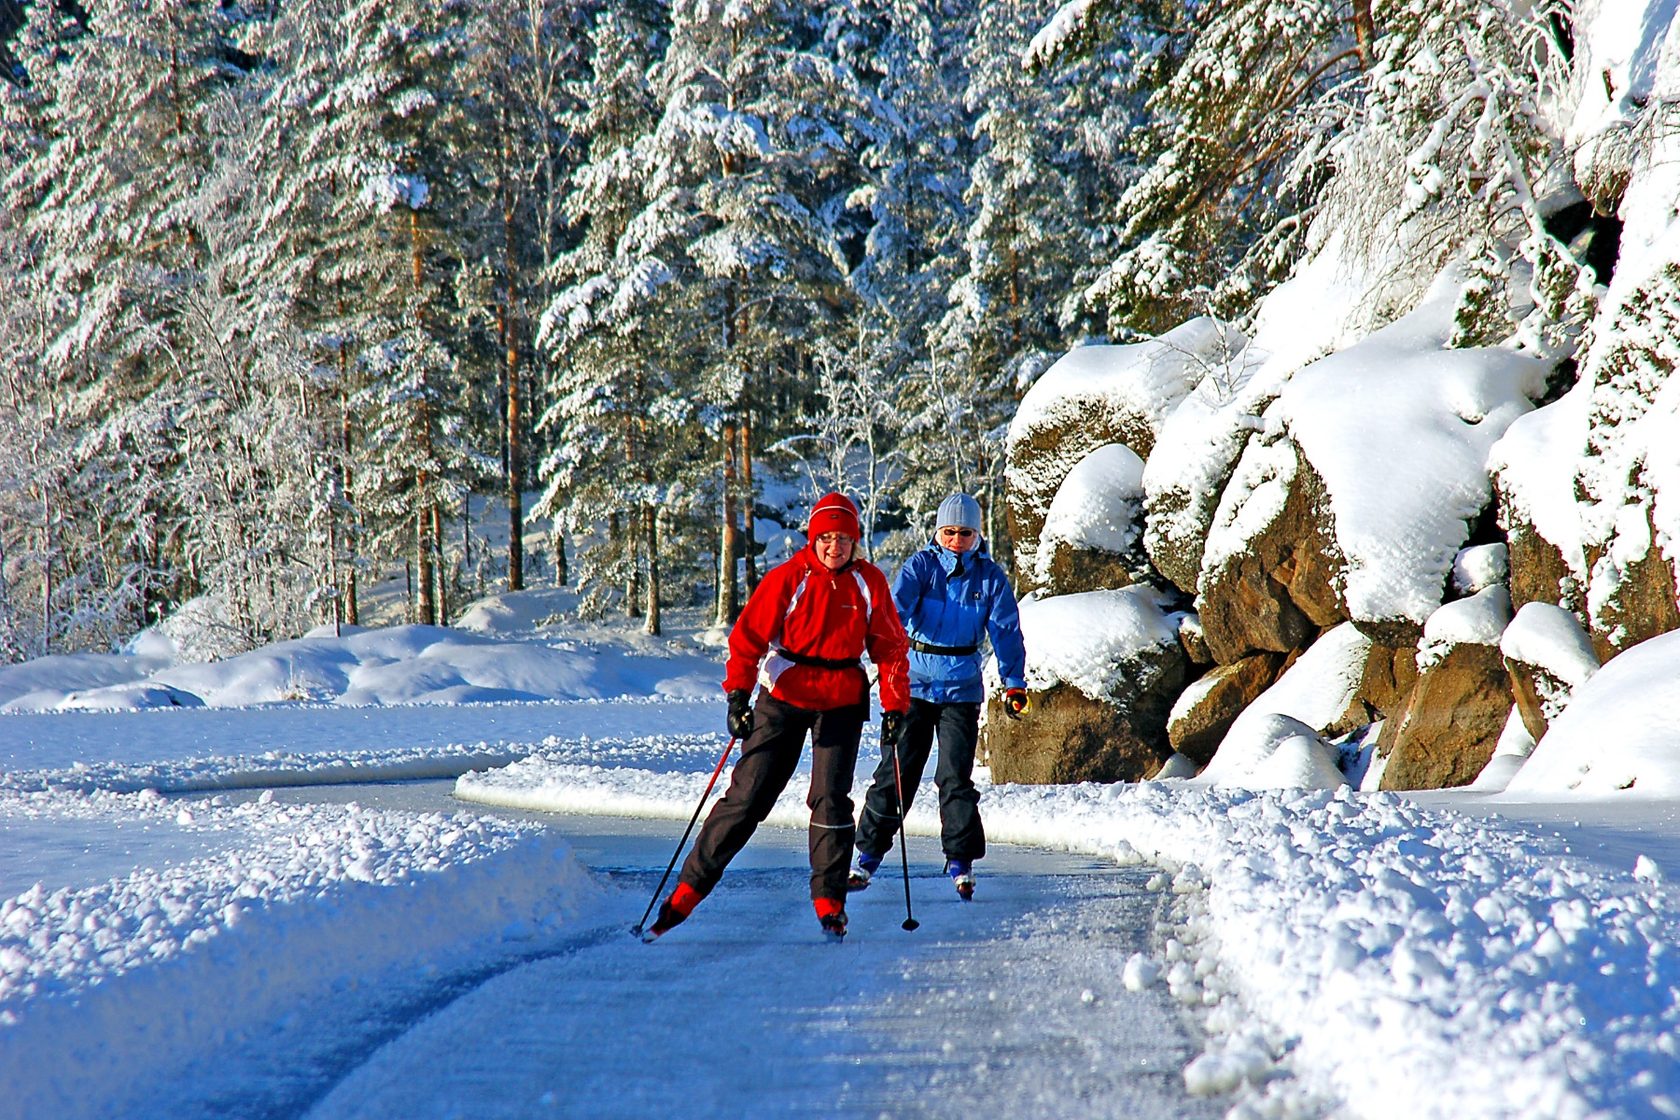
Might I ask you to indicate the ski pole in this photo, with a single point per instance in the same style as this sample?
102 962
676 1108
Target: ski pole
903 848
660 889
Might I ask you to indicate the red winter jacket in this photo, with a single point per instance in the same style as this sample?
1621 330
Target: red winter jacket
802 608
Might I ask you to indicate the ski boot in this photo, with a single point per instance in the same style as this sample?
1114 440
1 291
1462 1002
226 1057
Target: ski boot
862 871
961 872
831 912
674 911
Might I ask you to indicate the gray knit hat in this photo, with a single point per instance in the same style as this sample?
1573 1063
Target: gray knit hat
959 510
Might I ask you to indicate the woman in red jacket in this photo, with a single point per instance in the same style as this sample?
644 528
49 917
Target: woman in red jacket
801 639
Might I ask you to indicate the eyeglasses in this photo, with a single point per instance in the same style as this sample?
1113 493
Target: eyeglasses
965 533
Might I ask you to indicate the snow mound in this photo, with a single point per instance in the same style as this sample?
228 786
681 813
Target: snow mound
1088 640
1621 732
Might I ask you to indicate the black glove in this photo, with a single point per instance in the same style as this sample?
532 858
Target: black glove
1014 702
891 724
740 713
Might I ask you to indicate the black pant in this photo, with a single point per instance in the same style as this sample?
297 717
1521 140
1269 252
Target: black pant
961 833
768 760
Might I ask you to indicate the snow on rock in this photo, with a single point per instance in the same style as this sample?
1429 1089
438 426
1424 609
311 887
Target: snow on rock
1479 567
1478 620
1535 462
1399 428
1317 691
1274 752
1550 637
1089 639
1097 505
1144 378
1621 730
99 984
1095 395
1617 45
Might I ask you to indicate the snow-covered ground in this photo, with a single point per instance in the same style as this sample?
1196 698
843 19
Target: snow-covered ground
1462 954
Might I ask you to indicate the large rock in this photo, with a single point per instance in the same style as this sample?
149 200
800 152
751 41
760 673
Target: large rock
1206 710
1095 395
1446 731
1103 669
1548 655
1450 724
1068 737
1640 596
1279 589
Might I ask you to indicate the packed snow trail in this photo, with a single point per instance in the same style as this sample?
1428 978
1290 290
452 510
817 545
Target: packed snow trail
1008 1006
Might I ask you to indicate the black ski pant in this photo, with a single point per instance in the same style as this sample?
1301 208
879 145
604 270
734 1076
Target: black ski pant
958 728
768 760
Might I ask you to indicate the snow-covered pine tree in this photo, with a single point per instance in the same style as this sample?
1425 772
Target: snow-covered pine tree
369 108
906 61
620 429
1246 98
1042 204
749 171
520 80
122 96
1452 154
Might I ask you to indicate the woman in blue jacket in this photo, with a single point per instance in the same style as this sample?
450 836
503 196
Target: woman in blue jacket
952 597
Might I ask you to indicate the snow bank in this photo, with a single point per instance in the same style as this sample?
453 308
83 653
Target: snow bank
1620 734
393 665
101 986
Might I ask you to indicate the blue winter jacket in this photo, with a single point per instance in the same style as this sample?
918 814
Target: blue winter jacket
956 600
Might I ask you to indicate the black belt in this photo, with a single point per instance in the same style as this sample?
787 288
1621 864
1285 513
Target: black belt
943 651
820 662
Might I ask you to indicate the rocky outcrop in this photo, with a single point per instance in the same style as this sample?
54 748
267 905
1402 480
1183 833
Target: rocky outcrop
1279 590
1206 710
1096 395
1447 730
1068 737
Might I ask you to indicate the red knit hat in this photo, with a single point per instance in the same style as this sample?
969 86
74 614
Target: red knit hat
834 513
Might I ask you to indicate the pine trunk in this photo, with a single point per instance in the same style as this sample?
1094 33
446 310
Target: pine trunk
650 527
1365 32
515 440
440 570
425 610
749 535
728 604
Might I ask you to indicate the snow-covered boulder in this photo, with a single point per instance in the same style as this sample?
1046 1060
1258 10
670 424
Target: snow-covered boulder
1275 752
1268 575
1205 711
1090 540
1103 668
1321 690
1372 463
1097 395
1548 656
1533 466
1446 732
1618 734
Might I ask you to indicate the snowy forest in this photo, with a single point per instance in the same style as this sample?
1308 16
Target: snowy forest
283 285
